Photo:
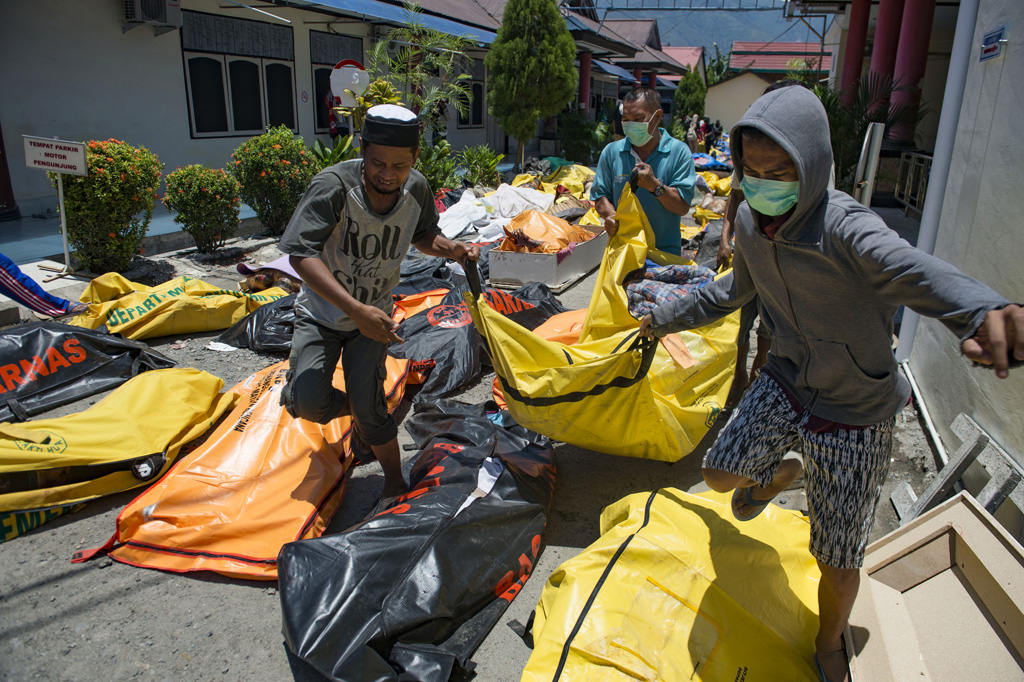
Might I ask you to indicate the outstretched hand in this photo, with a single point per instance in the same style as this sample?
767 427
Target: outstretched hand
999 340
376 324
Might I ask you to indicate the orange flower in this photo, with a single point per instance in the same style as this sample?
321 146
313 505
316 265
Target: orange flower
263 173
216 196
123 177
277 146
286 162
142 251
111 235
238 163
109 159
181 191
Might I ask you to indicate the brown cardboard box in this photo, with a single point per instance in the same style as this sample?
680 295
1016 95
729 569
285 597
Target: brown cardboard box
941 600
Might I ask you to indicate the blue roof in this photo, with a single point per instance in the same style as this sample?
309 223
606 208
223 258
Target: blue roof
613 70
380 11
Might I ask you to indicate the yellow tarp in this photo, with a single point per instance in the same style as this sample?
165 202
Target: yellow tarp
50 462
574 178
720 186
179 306
693 595
599 393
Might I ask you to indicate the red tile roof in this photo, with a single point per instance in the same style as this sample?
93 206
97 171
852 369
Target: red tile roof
776 63
776 48
687 56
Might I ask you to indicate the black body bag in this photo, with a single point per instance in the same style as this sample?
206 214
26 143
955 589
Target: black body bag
47 364
410 592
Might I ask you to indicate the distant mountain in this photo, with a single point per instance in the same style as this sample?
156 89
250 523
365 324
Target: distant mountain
692 28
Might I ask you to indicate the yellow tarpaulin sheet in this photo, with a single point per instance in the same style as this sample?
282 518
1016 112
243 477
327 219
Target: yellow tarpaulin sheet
179 306
612 392
101 450
574 178
261 480
678 590
720 186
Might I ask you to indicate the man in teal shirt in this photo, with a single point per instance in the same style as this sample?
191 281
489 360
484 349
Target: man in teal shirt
665 171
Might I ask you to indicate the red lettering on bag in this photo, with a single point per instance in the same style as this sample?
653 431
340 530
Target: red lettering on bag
33 367
74 350
55 359
508 587
11 376
397 509
449 447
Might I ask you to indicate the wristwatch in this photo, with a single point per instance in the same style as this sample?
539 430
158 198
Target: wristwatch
660 189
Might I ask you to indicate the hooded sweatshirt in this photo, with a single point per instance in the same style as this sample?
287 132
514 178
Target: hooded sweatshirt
829 280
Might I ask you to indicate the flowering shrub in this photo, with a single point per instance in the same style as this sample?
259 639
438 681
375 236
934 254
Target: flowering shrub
274 168
109 210
206 201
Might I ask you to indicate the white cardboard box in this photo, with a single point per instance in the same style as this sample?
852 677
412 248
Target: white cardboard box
941 600
512 270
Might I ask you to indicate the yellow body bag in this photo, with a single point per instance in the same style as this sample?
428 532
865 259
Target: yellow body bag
677 590
124 441
613 391
179 306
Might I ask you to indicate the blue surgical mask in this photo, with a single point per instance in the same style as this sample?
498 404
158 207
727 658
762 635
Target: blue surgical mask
770 197
636 131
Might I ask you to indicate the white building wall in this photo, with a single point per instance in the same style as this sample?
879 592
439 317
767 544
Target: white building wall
70 72
81 78
980 233
727 101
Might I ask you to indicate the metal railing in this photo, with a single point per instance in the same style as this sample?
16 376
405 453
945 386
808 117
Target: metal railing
912 181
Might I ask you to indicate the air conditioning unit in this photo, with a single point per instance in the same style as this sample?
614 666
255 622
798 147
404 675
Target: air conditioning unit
162 15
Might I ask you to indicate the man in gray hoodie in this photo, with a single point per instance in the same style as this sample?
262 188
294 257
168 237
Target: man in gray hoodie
830 276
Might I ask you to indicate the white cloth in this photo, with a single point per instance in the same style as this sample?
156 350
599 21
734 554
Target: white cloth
469 213
508 201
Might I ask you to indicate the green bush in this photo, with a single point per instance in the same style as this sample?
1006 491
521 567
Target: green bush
274 169
482 165
109 210
580 137
343 150
206 201
437 164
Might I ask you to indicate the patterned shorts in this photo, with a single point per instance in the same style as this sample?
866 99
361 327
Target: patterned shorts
843 470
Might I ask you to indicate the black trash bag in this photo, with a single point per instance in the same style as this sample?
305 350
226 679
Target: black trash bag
47 364
410 592
445 336
268 329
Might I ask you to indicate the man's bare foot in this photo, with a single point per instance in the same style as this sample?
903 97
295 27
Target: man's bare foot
394 488
833 665
787 472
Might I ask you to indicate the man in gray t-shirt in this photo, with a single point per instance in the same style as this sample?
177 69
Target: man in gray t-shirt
347 239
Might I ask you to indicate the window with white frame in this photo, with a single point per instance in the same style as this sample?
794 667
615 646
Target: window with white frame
474 117
325 51
239 75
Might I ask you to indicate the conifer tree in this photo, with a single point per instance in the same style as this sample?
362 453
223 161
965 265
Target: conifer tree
689 95
531 70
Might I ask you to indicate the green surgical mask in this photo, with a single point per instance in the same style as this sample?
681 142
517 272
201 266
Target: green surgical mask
636 131
770 197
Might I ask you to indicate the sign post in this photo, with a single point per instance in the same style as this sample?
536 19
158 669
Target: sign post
59 156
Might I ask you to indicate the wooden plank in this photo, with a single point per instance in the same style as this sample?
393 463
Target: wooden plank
942 485
903 499
1004 479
